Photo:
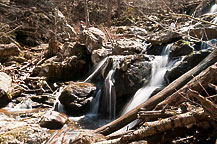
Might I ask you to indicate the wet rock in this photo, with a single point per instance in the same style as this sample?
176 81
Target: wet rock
44 99
180 48
9 50
135 71
162 37
76 97
53 120
5 86
93 38
128 47
186 63
138 31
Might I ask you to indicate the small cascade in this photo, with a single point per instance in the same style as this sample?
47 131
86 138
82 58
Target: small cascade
213 9
159 67
95 103
109 93
96 70
57 105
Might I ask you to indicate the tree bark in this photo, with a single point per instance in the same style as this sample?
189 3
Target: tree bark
198 83
156 127
159 97
209 106
87 19
109 12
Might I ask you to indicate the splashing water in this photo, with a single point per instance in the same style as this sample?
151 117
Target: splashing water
96 70
213 9
159 67
95 103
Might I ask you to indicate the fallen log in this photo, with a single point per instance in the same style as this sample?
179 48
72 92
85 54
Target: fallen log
156 127
9 50
198 83
209 106
159 97
153 115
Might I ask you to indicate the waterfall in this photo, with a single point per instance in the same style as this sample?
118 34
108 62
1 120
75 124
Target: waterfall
159 67
95 103
96 70
213 9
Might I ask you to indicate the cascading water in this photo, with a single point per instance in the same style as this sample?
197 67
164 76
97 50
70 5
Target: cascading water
213 9
95 103
96 70
159 67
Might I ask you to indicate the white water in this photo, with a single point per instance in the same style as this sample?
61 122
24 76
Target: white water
213 9
159 67
96 70
95 103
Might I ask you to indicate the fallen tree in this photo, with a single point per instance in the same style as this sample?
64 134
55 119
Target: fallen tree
198 83
159 97
156 127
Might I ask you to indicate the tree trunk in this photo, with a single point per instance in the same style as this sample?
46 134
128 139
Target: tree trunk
86 14
109 12
156 127
159 97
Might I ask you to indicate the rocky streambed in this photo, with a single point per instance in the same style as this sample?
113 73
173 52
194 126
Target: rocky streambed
47 83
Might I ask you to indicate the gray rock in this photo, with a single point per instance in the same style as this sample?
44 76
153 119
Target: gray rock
187 63
162 37
5 86
71 68
99 54
76 97
180 48
93 38
53 120
128 47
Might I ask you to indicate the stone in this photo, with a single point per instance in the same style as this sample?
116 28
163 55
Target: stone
76 97
93 38
7 50
5 86
53 120
128 47
71 68
180 48
99 54
185 64
162 37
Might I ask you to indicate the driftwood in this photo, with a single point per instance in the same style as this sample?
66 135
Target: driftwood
156 127
198 83
9 50
159 97
209 106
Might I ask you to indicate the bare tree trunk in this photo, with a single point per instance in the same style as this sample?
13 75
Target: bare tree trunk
109 12
156 127
119 7
87 19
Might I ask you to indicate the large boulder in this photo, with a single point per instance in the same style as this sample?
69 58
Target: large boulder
181 48
9 50
71 68
125 75
5 86
99 54
93 38
53 120
76 97
128 47
162 37
186 63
